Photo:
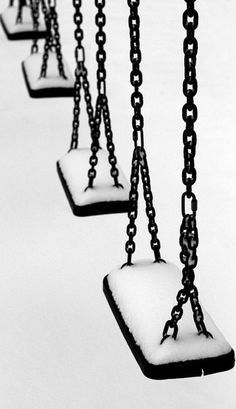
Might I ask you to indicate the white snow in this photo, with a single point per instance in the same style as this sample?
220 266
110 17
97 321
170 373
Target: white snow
145 294
9 16
33 64
75 165
60 346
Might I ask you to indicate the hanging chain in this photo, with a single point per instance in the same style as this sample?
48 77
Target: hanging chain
139 161
56 40
11 3
22 3
52 38
34 5
48 39
188 229
102 103
81 77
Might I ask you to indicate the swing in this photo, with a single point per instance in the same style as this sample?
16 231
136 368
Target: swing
18 22
86 195
47 74
141 294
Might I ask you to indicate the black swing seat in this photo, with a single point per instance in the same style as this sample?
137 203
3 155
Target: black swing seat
53 85
141 297
23 30
103 197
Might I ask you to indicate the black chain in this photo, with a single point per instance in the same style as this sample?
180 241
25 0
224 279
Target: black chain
11 3
22 3
34 5
102 103
57 43
81 78
48 39
188 229
139 160
52 38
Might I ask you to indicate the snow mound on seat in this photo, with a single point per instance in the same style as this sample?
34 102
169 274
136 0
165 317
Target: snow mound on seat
145 294
75 165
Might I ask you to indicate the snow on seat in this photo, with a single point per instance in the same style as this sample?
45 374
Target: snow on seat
53 85
141 297
23 30
103 197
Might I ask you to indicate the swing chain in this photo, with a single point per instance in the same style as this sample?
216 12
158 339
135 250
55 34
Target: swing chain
136 77
139 160
100 20
52 38
102 108
48 40
56 38
188 229
133 206
81 77
34 4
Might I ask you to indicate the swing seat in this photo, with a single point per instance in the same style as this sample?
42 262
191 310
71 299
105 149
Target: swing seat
53 85
24 30
141 297
103 197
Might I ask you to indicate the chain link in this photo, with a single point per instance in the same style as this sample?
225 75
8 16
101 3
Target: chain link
188 229
34 5
102 108
81 78
136 77
52 38
139 160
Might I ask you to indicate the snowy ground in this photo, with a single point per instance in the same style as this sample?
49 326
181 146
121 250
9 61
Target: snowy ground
60 346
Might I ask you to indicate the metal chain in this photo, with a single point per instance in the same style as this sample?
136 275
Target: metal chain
52 38
81 78
56 40
102 100
11 3
48 39
22 3
136 77
139 161
188 229
34 5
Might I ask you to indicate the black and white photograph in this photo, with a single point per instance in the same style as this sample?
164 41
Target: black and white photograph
117 204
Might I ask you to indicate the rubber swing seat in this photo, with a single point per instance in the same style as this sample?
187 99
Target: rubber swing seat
24 30
53 85
103 197
141 298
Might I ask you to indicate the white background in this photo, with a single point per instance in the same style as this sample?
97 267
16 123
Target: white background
60 346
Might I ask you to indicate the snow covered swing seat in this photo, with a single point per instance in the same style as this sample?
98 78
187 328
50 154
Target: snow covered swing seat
21 30
103 197
53 84
141 297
